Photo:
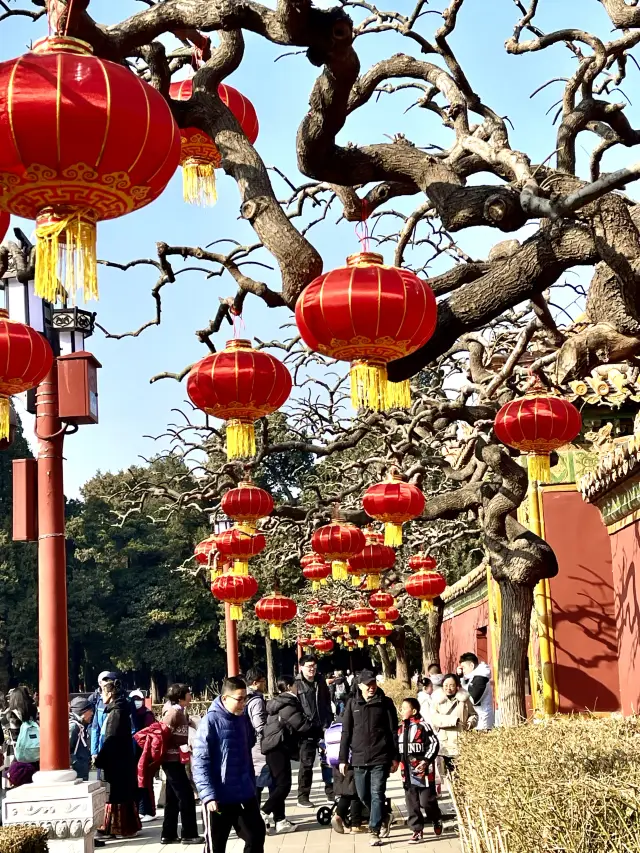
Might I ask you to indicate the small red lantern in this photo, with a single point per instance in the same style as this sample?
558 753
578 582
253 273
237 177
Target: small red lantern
317 619
361 617
337 542
381 601
25 360
82 139
394 501
239 385
537 424
305 642
425 585
204 550
317 572
234 590
238 545
377 631
368 314
276 609
247 503
331 609
200 156
324 645
4 224
421 561
391 614
374 559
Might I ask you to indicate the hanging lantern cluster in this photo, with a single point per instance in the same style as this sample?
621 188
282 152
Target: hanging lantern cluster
234 590
537 424
381 601
368 314
425 585
372 561
316 570
338 542
277 610
25 360
247 504
361 617
317 619
240 546
84 139
239 385
377 631
393 502
206 554
199 156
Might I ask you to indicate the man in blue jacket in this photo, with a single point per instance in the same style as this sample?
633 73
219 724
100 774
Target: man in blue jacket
222 768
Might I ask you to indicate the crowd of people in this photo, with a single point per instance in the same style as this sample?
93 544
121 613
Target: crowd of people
237 760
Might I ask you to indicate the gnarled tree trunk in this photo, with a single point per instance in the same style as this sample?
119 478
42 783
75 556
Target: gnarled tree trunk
271 670
398 639
431 635
517 603
385 661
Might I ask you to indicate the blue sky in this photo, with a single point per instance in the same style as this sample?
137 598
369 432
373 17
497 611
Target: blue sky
131 408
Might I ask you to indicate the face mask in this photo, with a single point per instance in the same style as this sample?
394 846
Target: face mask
138 703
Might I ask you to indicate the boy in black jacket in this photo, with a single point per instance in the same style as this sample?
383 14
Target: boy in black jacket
418 749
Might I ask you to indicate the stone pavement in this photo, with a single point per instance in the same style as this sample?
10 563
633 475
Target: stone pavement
310 837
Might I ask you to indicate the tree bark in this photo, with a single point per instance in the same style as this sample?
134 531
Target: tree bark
156 688
271 670
517 604
431 636
385 662
398 639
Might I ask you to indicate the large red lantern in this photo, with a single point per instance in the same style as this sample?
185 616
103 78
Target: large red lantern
381 601
81 139
394 501
373 560
537 424
420 561
25 360
317 572
425 585
234 590
199 155
337 542
361 617
239 385
247 503
324 645
377 631
5 219
240 546
368 314
276 609
317 619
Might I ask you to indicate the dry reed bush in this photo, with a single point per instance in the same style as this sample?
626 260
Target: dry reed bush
397 691
566 785
23 839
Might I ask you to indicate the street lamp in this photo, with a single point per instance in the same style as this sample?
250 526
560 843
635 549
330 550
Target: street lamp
219 523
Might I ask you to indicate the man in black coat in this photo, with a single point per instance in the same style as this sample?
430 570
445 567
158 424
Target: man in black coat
314 697
370 734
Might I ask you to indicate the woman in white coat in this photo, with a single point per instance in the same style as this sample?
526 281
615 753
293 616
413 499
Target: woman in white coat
452 712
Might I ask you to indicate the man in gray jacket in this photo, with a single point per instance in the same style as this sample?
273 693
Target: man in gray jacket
256 709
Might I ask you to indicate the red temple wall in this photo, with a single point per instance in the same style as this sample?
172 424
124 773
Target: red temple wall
625 551
584 606
459 635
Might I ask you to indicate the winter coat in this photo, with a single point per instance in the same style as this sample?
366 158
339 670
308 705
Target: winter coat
315 699
152 744
369 730
478 686
449 717
344 786
419 746
221 765
256 709
425 700
97 725
339 689
142 718
116 758
177 719
286 724
79 746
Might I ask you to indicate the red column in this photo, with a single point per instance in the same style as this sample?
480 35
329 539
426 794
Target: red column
231 629
52 581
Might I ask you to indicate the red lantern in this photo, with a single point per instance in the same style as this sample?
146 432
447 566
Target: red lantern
425 585
317 619
361 617
324 645
247 503
337 542
331 609
234 590
25 360
83 139
381 601
276 609
394 502
368 314
239 385
391 614
199 156
4 224
373 560
421 561
537 424
305 642
238 545
377 631
317 572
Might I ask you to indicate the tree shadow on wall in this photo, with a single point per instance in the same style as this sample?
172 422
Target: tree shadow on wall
576 686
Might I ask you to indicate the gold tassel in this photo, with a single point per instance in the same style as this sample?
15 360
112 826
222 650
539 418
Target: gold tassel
360 644
4 417
355 580
373 582
383 641
65 252
235 613
240 567
215 574
362 630
241 440
381 614
371 641
368 385
539 467
199 183
398 395
393 534
275 632
427 605
315 585
388 625
323 582
317 631
339 570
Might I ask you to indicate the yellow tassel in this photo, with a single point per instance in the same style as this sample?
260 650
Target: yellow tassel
539 467
360 644
362 630
245 527
65 252
393 534
199 183
240 567
398 395
381 614
339 640
368 385
4 417
317 631
323 582
373 582
241 440
427 605
371 641
383 641
388 625
339 570
315 585
235 613
355 580
275 632
215 574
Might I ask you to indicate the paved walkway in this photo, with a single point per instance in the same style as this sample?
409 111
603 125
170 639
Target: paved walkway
310 837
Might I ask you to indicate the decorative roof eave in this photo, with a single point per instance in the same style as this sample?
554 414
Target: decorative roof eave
467 582
615 466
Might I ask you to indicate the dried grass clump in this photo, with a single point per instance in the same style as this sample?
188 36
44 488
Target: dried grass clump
565 785
397 691
23 839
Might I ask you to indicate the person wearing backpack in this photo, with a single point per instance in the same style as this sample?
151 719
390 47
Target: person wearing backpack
23 727
286 724
339 690
80 716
